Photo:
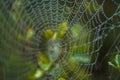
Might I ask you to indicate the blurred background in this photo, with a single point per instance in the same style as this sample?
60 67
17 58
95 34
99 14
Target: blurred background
59 39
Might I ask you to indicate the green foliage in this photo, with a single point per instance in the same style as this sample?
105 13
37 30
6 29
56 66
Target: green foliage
116 63
80 58
67 9
58 33
16 13
79 32
25 37
48 34
29 34
92 7
61 78
36 74
44 61
15 65
16 5
80 48
61 30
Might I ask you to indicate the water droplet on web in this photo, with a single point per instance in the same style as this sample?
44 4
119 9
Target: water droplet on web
112 27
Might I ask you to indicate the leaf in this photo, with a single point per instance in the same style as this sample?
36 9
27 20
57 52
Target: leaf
31 75
67 9
38 74
111 64
44 58
80 48
64 74
80 58
14 16
61 30
117 60
16 4
16 64
79 32
91 7
29 33
74 29
84 48
48 34
19 37
44 61
81 73
61 78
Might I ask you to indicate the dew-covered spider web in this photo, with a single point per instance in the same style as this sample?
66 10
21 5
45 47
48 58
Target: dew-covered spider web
59 39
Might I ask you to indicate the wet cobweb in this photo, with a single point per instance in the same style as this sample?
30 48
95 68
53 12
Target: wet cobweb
80 54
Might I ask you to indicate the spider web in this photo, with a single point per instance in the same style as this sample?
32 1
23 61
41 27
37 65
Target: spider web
40 15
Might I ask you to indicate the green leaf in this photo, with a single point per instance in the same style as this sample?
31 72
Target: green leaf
16 4
80 58
19 37
67 9
61 78
29 34
111 64
80 48
61 30
91 7
79 32
38 74
117 60
44 61
48 34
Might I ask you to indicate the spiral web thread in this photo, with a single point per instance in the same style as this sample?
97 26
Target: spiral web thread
41 15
